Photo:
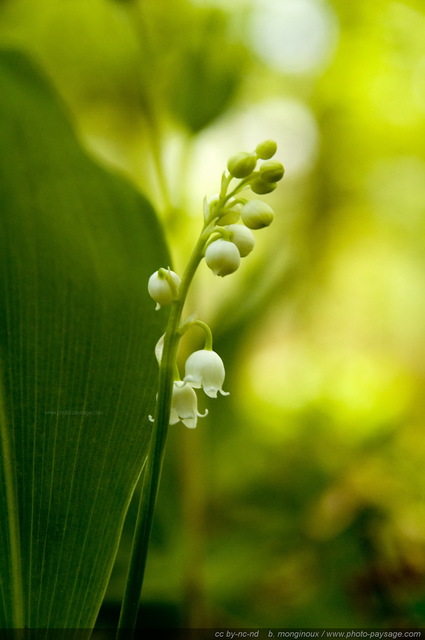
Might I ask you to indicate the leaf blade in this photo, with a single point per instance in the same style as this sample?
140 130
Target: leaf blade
77 336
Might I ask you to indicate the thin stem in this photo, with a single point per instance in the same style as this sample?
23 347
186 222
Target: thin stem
242 184
191 322
130 605
208 333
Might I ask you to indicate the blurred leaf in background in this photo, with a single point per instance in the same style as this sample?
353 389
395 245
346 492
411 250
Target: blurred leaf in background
301 500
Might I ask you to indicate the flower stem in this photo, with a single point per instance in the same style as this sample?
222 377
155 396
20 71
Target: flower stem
208 334
152 473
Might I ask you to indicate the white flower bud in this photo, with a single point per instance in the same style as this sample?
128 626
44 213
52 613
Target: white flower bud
206 369
222 257
257 214
242 237
163 287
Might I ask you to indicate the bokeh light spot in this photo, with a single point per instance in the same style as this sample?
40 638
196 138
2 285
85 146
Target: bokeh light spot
294 35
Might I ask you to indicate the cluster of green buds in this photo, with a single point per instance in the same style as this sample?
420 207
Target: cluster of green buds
226 237
230 240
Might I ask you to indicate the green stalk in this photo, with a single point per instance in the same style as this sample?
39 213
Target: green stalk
9 479
152 473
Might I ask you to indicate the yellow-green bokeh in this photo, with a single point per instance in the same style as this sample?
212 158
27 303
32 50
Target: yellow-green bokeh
300 501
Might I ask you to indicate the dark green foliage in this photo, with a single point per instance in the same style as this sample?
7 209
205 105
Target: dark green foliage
77 332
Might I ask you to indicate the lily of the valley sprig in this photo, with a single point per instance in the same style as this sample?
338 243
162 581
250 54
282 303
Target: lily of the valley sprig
225 239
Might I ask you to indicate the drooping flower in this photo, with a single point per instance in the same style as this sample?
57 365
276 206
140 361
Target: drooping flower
163 287
184 405
205 369
222 257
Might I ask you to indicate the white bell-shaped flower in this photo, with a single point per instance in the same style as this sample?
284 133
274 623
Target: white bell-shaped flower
163 287
222 257
184 405
205 369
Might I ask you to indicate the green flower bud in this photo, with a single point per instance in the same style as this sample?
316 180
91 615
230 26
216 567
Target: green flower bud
242 237
222 257
272 171
261 187
266 149
257 214
242 164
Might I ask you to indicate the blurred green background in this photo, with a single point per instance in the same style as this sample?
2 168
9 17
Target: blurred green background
299 500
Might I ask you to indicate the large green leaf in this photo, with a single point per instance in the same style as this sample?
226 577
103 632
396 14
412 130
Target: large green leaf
77 332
